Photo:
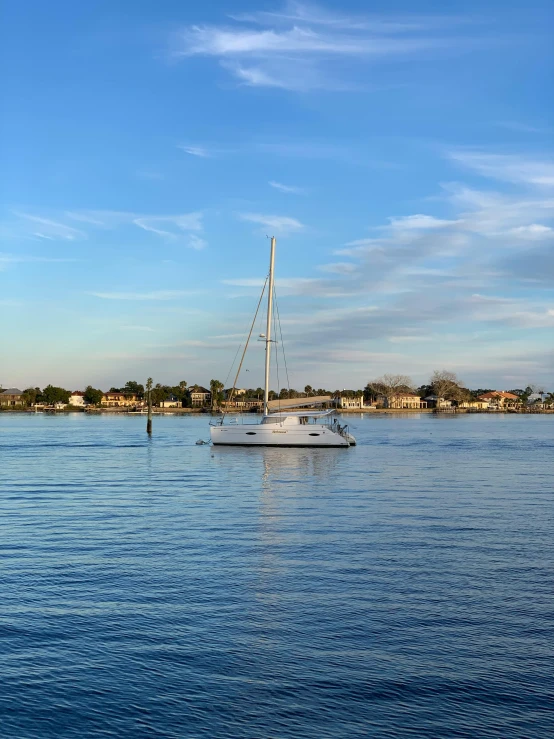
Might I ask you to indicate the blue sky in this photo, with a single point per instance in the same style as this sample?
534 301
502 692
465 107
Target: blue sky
401 153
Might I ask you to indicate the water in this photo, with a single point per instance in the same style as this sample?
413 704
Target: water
154 588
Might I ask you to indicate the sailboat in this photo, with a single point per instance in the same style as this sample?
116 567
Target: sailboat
283 428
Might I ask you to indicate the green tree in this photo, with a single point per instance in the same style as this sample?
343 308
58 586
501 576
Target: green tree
92 396
133 387
30 395
160 392
216 390
52 395
182 393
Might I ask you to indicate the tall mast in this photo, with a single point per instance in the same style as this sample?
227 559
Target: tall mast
268 326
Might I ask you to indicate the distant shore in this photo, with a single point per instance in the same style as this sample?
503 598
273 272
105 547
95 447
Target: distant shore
341 411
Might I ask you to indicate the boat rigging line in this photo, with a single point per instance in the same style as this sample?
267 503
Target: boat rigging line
281 335
245 348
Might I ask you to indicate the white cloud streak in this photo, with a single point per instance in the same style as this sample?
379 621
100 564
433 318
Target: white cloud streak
8 259
290 189
279 224
507 167
195 151
154 295
294 49
169 227
195 242
419 222
50 229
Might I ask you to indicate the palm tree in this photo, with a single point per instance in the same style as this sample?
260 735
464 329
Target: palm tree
215 390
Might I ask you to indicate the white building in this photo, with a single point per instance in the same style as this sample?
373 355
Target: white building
77 399
171 402
350 403
200 396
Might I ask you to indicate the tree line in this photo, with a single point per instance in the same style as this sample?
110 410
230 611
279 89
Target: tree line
443 384
51 395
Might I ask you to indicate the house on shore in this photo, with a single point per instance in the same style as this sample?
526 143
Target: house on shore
479 405
199 396
77 399
500 400
119 400
11 398
536 399
406 401
349 403
236 394
433 401
171 402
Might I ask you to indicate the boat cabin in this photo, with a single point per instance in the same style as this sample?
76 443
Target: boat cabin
299 418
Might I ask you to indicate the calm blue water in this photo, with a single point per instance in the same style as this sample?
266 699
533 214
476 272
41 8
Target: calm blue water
154 588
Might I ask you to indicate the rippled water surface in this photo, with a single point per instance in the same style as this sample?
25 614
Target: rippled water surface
154 588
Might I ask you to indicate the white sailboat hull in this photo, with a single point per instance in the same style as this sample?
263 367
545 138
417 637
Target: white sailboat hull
269 435
284 428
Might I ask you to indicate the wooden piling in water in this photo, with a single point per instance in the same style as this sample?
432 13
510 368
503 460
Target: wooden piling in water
149 417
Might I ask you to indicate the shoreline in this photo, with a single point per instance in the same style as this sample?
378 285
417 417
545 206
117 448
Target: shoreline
341 411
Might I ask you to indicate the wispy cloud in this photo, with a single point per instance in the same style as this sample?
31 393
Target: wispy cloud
179 223
292 189
507 167
142 223
419 222
168 227
481 269
7 259
245 282
138 328
304 286
154 295
348 151
340 268
221 42
196 151
50 229
533 231
520 127
195 242
279 224
295 48
83 218
296 12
